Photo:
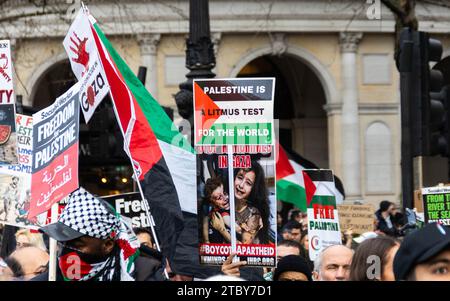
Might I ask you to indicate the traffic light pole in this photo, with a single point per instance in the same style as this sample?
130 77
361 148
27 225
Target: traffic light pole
200 59
407 163
405 67
423 110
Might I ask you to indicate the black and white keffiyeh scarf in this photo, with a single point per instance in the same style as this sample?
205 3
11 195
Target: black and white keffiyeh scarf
95 218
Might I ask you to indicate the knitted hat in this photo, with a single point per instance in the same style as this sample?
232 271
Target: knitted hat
292 263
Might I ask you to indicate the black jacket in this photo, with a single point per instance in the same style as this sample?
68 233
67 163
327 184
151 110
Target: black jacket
148 267
383 226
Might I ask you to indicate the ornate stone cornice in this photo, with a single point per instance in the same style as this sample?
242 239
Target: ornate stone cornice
23 19
148 43
349 41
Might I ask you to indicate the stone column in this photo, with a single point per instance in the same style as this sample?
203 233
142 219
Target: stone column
351 162
148 44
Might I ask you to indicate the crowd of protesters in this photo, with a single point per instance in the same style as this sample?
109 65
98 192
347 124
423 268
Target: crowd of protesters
108 250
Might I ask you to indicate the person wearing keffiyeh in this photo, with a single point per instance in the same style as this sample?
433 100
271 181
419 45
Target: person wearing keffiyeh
96 244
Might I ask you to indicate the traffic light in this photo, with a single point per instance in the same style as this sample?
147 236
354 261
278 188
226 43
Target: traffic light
424 105
433 98
423 96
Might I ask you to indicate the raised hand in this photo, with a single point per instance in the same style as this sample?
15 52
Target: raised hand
232 269
78 47
5 58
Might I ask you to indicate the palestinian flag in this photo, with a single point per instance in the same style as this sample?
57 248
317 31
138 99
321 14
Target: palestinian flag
163 159
293 186
323 181
337 187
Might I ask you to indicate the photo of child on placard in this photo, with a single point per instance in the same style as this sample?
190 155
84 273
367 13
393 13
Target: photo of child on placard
250 185
8 137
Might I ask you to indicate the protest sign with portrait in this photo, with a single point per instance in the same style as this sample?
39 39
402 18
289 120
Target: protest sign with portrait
8 136
234 128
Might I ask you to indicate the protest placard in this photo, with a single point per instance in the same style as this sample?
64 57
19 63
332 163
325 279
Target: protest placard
86 65
235 111
55 152
234 142
358 218
323 218
8 136
131 206
15 180
436 204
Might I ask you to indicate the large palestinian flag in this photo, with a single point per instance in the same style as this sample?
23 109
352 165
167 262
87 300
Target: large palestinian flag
293 185
163 159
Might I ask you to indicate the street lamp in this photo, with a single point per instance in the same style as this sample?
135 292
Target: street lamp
200 57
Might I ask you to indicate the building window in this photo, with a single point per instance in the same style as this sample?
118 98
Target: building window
175 70
377 69
378 150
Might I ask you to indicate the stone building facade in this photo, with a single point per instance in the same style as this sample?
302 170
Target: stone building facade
338 103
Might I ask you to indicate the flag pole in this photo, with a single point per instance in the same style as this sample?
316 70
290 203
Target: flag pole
231 198
53 245
149 216
136 179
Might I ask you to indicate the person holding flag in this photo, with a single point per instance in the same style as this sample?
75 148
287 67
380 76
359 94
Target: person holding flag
96 244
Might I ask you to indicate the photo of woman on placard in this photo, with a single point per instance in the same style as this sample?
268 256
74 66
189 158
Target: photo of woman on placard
251 205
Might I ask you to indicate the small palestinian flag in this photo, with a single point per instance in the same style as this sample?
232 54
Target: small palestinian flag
293 186
163 159
323 181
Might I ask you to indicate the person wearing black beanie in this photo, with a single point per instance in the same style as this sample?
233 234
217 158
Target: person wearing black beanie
292 268
384 205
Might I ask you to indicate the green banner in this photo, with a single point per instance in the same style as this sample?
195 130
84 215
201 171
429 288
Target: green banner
238 134
437 207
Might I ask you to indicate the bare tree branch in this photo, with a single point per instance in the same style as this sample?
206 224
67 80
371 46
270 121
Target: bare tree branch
394 8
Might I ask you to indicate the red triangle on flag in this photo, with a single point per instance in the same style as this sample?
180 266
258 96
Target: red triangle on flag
310 188
203 106
283 166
